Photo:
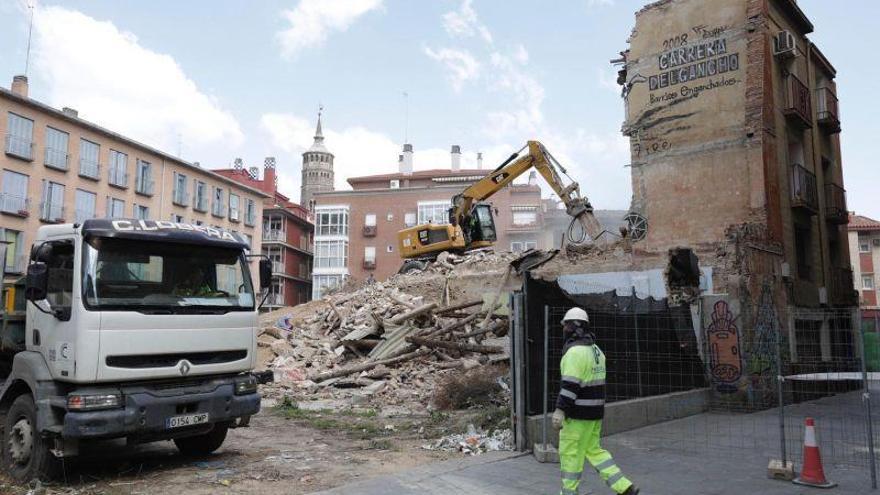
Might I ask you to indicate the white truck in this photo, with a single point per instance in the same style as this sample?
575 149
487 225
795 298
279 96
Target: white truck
135 329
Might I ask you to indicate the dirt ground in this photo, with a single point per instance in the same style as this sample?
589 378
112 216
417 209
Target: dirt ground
284 451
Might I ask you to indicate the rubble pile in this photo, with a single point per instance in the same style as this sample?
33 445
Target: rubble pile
474 442
386 343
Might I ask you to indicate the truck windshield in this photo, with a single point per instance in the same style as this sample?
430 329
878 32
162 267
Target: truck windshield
128 275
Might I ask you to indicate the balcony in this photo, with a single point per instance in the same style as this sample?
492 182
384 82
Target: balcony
524 227
51 213
144 186
118 178
274 236
843 290
798 102
180 198
15 205
803 190
370 231
89 169
828 114
835 204
57 159
20 147
277 267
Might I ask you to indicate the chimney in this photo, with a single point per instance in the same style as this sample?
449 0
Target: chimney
456 158
20 86
70 112
406 165
269 174
480 161
533 178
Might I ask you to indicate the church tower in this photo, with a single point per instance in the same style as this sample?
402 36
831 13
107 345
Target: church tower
317 168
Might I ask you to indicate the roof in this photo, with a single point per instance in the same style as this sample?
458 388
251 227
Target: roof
860 223
422 174
794 12
5 93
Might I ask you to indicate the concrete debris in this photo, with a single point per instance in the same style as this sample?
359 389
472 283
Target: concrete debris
388 343
474 442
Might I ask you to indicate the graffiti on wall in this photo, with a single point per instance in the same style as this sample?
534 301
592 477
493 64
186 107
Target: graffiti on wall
762 355
723 342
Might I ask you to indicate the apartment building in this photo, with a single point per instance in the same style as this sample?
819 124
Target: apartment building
287 236
57 167
356 230
864 248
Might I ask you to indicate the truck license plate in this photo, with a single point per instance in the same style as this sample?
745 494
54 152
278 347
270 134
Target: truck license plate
187 420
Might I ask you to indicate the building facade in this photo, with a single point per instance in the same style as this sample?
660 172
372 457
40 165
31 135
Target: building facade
57 167
286 237
356 230
864 247
317 169
733 121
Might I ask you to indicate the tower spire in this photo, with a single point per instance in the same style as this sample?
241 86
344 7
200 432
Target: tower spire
319 135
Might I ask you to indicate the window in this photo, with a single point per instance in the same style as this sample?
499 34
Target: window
331 221
530 245
200 200
394 184
86 203
409 220
389 217
176 218
14 197
322 283
115 208
141 212
233 207
143 181
88 159
525 217
118 169
250 212
389 248
370 220
60 286
179 195
864 245
56 148
436 212
20 137
370 254
331 254
15 261
868 281
803 252
52 203
516 246
219 209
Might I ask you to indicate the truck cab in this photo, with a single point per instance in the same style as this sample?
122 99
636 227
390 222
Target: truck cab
135 329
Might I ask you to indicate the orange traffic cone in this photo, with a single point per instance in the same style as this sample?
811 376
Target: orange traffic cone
812 473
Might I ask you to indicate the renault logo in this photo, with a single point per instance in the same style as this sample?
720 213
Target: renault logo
184 368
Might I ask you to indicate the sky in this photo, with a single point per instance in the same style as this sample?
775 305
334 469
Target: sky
245 79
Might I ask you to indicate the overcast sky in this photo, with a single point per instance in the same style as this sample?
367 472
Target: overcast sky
215 80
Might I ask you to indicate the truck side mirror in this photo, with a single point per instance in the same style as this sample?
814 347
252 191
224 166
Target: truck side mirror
37 285
265 273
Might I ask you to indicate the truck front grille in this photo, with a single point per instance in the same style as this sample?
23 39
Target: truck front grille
140 361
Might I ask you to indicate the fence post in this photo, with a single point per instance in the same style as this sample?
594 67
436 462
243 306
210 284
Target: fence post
780 381
866 398
546 359
638 345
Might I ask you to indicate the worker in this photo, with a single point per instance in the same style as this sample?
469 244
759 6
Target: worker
580 408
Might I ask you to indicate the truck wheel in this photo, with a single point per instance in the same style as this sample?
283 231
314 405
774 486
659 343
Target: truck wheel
203 444
412 265
26 454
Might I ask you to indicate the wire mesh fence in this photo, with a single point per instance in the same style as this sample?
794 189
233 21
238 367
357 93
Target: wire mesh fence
753 379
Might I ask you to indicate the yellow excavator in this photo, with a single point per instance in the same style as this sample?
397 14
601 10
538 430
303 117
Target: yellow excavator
471 223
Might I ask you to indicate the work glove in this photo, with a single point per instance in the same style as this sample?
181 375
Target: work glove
558 418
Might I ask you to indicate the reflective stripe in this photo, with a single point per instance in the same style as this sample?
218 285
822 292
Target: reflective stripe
569 491
605 465
568 393
571 476
591 383
614 478
589 402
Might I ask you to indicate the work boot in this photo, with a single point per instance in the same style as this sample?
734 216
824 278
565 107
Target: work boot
632 490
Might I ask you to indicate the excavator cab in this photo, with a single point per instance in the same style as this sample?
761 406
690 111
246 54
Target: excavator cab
480 226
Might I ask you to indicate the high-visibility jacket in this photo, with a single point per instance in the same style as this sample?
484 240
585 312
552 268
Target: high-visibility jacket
582 389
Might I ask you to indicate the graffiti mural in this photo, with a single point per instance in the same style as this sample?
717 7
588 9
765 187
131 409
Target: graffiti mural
761 356
723 343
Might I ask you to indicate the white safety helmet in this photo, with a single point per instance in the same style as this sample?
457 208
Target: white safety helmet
576 314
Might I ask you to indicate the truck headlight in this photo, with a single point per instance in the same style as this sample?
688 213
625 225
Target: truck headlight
82 402
245 385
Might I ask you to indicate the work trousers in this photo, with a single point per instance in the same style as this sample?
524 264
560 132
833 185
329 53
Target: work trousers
579 442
